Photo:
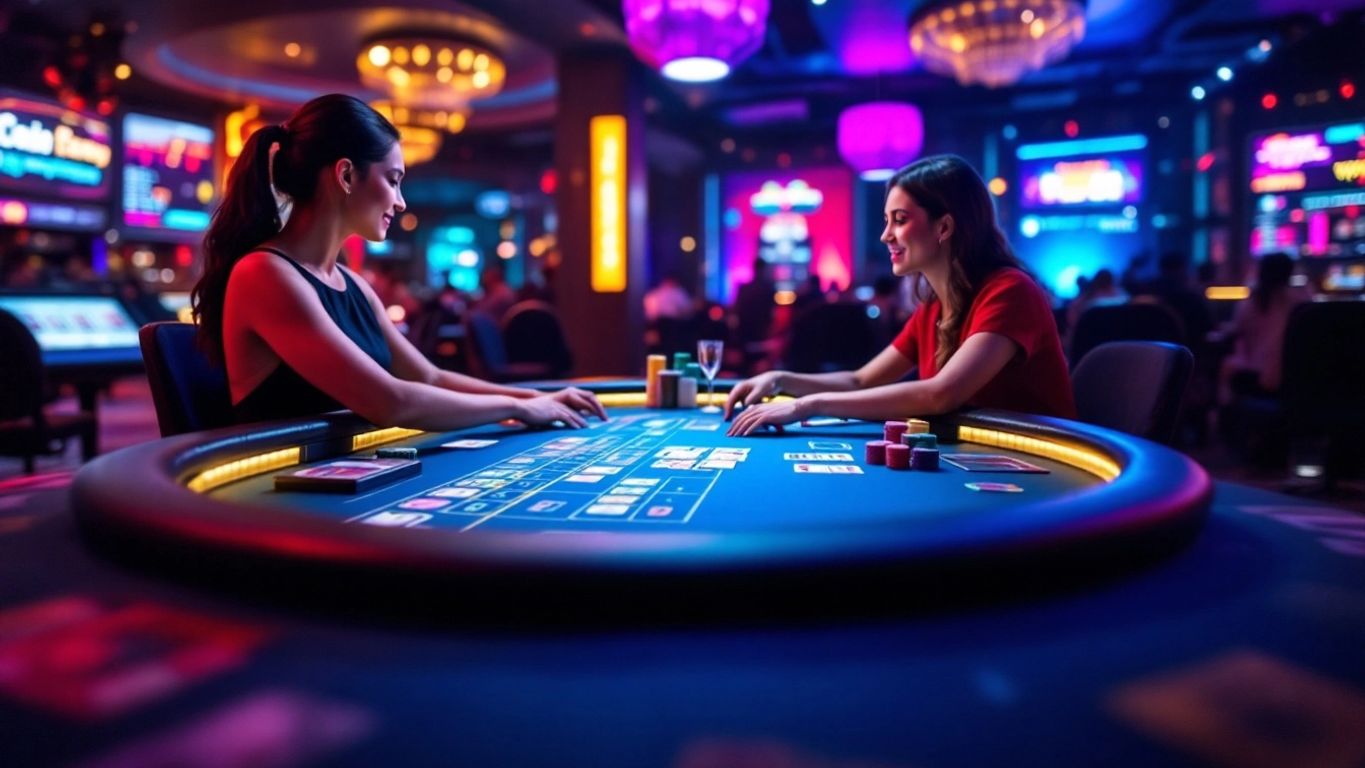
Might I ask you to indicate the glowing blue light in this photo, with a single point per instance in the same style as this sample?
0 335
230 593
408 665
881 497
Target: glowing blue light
877 174
493 204
1344 134
1225 73
1267 204
1009 132
1066 280
1124 143
1130 211
1198 93
733 218
1030 226
873 311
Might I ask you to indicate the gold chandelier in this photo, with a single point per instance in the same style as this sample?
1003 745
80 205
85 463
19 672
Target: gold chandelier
430 83
421 131
995 42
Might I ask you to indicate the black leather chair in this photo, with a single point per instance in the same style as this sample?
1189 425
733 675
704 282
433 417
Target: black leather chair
26 430
532 334
832 337
1133 386
1322 386
190 393
1134 321
489 352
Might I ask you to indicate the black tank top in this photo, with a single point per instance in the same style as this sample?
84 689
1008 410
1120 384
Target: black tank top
284 393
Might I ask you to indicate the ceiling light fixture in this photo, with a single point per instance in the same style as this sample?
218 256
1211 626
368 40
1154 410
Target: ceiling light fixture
995 42
693 41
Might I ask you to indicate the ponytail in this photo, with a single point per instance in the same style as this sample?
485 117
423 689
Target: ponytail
247 216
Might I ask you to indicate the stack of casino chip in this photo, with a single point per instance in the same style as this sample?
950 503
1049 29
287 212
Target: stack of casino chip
892 431
925 459
876 452
921 440
916 426
897 456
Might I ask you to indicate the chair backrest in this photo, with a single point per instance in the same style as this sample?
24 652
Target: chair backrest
21 371
532 333
189 391
1323 380
832 337
1134 321
1133 386
485 339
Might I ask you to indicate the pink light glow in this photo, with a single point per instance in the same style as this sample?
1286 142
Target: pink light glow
879 137
725 31
1318 226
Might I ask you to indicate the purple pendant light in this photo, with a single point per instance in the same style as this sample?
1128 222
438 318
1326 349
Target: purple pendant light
695 40
879 137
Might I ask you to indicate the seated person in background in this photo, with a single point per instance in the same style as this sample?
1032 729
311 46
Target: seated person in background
753 313
1174 289
984 335
1100 290
496 295
668 300
300 334
1258 330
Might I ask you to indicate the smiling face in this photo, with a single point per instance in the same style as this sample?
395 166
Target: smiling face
910 235
376 200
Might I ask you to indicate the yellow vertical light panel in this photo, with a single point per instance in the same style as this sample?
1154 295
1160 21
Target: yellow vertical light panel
607 134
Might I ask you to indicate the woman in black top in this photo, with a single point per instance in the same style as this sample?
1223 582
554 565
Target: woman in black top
299 333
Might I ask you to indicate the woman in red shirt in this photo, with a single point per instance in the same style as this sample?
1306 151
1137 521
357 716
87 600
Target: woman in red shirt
983 336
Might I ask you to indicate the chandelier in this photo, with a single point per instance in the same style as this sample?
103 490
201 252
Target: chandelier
695 40
879 137
430 83
421 131
995 42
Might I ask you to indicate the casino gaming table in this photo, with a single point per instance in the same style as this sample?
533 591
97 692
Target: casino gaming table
1119 609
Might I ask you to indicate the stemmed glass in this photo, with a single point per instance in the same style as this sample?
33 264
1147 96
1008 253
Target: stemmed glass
709 352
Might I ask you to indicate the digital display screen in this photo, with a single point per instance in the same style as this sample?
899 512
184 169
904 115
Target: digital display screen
49 151
1307 188
1114 179
73 328
168 179
798 221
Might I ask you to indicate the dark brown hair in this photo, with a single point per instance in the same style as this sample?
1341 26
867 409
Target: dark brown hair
944 184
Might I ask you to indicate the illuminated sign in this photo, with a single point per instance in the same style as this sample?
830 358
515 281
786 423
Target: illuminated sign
167 174
607 137
73 216
1279 182
1112 180
796 197
1282 151
1309 182
48 150
1348 170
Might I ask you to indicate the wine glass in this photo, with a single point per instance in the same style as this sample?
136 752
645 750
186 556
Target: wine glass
709 352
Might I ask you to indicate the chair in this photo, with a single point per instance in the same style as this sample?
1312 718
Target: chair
1133 386
190 392
532 333
832 337
1134 321
26 430
1322 386
489 353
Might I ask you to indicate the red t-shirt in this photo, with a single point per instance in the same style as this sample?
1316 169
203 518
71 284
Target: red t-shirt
1009 303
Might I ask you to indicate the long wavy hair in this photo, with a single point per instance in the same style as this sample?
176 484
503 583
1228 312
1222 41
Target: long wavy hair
944 184
320 133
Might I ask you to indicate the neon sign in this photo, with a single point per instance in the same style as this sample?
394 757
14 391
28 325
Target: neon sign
1283 151
167 174
1279 182
49 150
